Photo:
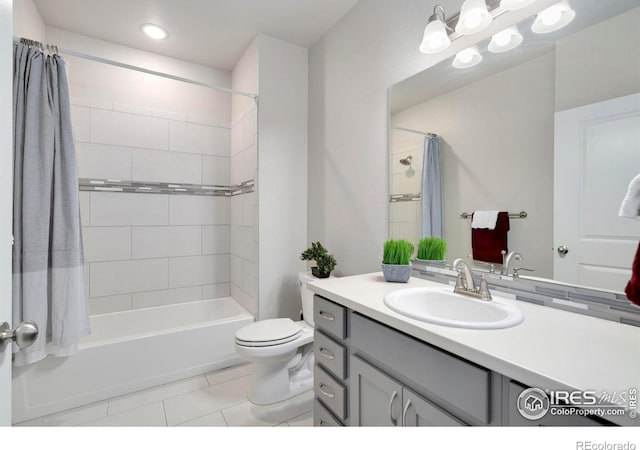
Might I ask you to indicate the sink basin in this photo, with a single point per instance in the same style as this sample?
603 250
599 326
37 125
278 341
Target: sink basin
442 307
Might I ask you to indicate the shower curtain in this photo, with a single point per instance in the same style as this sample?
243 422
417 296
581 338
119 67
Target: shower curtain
431 214
48 265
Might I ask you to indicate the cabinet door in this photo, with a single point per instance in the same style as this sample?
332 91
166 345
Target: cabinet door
420 412
376 398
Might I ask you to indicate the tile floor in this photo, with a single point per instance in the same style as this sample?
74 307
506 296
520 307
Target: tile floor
217 399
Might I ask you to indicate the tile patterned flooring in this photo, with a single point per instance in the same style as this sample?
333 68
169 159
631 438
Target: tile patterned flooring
217 399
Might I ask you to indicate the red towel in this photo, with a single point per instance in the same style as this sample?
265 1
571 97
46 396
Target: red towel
633 286
487 244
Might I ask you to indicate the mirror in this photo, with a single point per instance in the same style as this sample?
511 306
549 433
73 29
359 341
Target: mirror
508 142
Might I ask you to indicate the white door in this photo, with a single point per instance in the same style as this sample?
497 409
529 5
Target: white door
597 154
6 198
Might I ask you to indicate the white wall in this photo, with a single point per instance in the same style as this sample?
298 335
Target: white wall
496 153
615 72
373 46
282 154
27 22
244 167
6 200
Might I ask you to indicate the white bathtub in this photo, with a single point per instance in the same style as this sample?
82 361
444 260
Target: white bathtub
132 350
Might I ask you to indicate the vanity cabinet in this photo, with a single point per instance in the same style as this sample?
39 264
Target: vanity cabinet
369 374
379 400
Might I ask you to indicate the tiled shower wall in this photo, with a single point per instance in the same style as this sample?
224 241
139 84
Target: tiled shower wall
244 208
405 180
144 250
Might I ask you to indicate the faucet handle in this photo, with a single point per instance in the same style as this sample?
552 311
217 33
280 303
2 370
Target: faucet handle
484 289
460 284
517 269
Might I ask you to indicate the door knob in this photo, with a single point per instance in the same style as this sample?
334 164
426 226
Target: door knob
24 335
563 250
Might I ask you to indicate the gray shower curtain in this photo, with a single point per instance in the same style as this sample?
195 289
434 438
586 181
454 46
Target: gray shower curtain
48 266
431 214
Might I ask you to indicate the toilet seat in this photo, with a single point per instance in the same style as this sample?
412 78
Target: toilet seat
267 333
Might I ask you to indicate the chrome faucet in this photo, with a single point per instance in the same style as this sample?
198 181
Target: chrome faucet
506 261
467 286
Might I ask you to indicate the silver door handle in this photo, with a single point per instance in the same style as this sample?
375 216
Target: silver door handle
326 316
404 413
394 421
326 353
24 334
563 250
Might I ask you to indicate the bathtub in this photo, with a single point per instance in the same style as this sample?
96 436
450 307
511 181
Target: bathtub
132 350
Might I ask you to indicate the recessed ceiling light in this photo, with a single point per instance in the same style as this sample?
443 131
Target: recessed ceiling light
154 31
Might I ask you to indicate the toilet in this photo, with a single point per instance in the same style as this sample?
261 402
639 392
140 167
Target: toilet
281 351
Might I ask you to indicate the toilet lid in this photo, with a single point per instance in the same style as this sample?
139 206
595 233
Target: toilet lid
268 332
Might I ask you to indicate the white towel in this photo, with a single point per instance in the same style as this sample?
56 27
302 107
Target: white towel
485 219
630 206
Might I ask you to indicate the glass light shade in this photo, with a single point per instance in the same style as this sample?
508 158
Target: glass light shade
154 31
474 17
553 18
435 38
468 57
513 5
505 40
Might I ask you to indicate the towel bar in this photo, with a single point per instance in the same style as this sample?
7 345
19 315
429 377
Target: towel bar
520 215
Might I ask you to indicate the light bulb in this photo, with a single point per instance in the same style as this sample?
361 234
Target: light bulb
474 17
154 31
468 57
553 18
505 40
435 38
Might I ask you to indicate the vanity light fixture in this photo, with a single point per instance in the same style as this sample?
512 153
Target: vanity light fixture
553 18
154 31
505 40
435 37
513 5
467 58
474 17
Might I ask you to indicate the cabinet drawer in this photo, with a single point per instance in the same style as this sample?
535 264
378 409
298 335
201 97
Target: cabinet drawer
330 317
330 391
447 379
322 417
329 354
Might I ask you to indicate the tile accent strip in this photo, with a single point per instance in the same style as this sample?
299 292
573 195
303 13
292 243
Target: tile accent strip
152 187
577 299
404 198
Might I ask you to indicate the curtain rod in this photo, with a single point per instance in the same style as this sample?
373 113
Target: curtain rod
415 131
110 62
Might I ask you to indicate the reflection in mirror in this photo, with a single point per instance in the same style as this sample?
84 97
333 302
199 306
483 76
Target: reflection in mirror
568 101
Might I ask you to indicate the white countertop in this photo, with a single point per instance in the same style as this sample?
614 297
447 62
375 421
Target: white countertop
551 348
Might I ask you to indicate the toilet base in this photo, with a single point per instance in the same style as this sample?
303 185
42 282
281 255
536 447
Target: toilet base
273 383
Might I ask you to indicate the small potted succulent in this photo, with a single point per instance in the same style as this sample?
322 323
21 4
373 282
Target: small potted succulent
396 260
325 262
431 249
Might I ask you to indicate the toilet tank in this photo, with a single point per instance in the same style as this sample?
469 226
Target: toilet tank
306 295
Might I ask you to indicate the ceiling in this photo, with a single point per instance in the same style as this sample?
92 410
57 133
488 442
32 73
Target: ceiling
210 32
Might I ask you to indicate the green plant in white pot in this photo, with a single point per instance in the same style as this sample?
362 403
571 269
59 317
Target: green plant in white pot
325 262
396 260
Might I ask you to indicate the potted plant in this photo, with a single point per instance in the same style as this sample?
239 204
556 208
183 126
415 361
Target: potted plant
396 260
431 249
325 262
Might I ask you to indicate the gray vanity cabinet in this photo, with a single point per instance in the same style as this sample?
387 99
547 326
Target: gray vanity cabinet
379 400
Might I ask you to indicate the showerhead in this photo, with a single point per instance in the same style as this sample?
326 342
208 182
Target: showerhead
406 161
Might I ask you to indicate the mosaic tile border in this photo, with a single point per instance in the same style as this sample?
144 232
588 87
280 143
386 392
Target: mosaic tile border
150 187
580 300
404 198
